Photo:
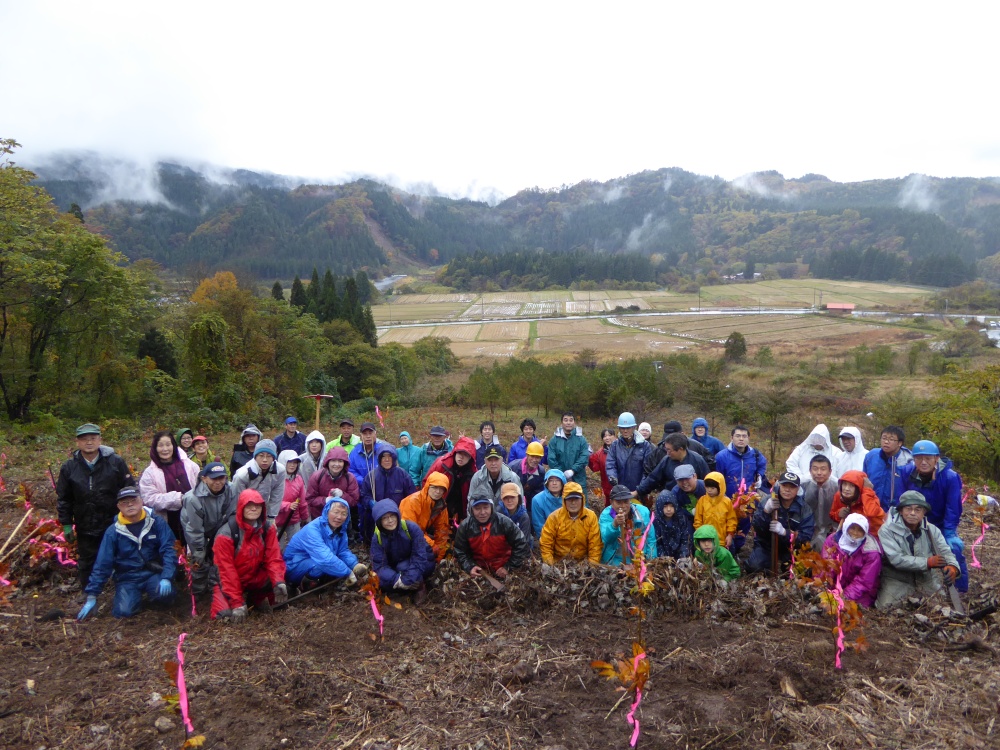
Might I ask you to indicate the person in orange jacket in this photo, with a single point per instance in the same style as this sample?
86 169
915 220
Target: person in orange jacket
248 556
856 495
427 508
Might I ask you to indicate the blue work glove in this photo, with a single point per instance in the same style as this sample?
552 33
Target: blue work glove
955 542
87 608
166 589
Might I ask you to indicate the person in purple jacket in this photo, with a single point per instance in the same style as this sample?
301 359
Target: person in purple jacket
387 481
401 557
860 556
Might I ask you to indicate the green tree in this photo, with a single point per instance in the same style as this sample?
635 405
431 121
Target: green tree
277 292
156 346
736 347
298 296
61 288
435 354
750 268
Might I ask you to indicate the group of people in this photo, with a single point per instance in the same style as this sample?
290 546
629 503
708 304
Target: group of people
286 512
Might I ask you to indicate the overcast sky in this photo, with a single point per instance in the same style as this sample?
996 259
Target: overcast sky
471 96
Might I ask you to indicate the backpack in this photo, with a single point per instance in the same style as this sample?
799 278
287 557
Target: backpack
237 534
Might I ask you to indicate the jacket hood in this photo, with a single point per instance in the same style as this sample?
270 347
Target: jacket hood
699 422
181 431
666 497
251 429
437 479
335 453
707 531
561 432
330 502
821 431
246 497
466 445
315 435
289 455
384 448
859 444
404 432
384 507
718 478
857 478
495 441
554 473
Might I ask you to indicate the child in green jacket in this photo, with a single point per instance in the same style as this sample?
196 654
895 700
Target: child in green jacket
708 551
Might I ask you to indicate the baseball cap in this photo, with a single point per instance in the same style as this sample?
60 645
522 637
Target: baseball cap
912 497
196 438
438 430
367 426
346 420
88 429
479 501
493 452
790 477
126 493
510 489
291 420
685 471
621 492
214 470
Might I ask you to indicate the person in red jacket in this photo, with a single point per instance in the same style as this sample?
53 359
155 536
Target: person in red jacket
598 463
458 465
857 496
249 559
490 542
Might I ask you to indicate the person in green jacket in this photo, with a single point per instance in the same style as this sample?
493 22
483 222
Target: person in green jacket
408 456
569 451
708 551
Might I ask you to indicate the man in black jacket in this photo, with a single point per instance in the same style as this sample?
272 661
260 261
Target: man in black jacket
87 495
670 428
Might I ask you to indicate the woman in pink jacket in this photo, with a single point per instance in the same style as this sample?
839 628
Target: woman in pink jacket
860 556
169 475
294 513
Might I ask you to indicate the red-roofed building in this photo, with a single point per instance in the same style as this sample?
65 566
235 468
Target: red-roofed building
840 307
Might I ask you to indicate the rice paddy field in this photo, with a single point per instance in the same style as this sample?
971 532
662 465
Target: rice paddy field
486 326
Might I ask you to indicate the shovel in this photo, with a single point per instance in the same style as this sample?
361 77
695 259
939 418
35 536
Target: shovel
493 582
956 600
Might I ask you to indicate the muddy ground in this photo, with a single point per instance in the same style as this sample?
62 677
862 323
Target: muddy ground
753 667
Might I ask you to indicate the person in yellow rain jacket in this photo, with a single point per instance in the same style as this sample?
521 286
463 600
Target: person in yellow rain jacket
571 531
716 509
427 508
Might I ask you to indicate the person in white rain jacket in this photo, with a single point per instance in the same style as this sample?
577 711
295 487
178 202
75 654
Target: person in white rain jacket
817 442
852 458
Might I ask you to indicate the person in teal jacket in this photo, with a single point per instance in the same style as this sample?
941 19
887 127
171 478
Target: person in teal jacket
615 517
549 500
569 451
409 456
708 551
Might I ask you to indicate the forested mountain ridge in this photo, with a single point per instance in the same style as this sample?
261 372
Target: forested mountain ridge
919 229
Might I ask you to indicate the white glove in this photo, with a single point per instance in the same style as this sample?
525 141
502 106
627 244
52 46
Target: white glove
771 505
360 570
568 473
399 583
351 579
778 529
280 594
238 615
337 493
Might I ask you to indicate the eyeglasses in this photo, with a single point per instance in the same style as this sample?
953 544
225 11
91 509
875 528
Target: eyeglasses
890 439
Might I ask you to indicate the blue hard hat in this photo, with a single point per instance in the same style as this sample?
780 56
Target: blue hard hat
925 448
626 419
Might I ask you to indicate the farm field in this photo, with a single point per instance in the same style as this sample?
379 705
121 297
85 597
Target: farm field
782 293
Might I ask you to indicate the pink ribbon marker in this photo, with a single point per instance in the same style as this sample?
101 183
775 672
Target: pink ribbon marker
182 696
4 581
634 722
182 559
975 562
838 590
378 615
378 413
